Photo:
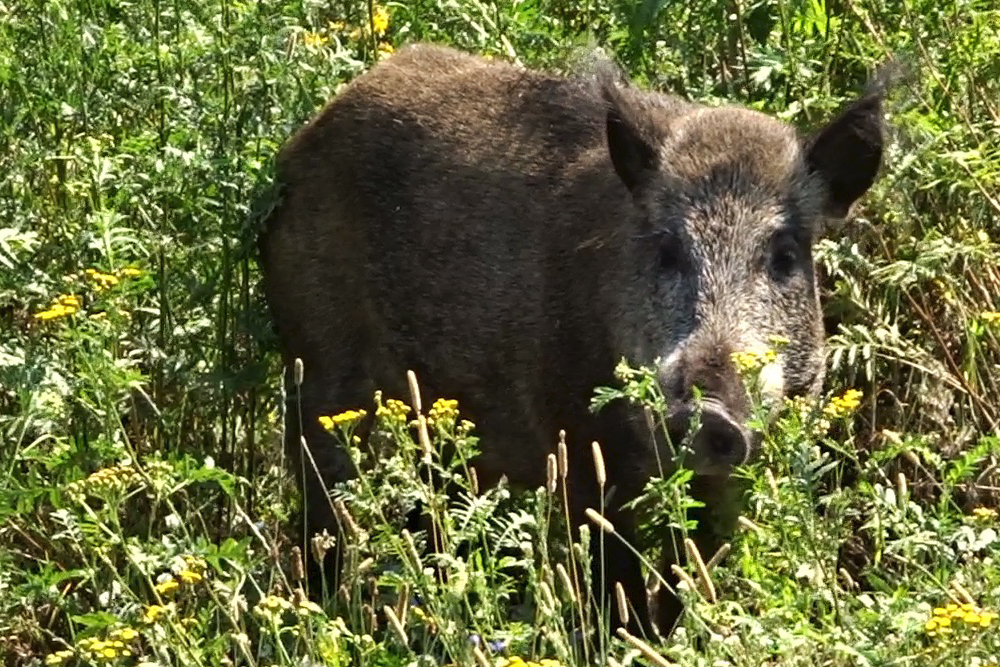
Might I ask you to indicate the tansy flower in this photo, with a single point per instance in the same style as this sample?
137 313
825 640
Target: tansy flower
189 577
342 419
314 39
380 20
102 280
59 657
840 406
167 586
153 613
984 513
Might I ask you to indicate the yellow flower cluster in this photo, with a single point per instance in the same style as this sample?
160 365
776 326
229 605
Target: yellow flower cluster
984 513
190 574
944 620
841 406
102 280
517 661
393 411
443 412
59 657
343 419
991 317
750 360
116 478
272 607
314 39
154 612
63 305
380 20
112 648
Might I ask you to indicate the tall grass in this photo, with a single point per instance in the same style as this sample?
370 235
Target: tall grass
142 494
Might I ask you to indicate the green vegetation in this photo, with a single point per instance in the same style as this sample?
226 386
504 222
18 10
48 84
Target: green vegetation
143 499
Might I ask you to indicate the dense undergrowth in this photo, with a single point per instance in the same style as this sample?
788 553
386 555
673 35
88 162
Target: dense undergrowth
143 499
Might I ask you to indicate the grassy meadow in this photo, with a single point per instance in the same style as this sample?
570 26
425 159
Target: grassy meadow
144 500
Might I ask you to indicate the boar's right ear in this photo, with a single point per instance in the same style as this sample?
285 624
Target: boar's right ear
632 153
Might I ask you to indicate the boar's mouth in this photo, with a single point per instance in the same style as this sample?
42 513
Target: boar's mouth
714 439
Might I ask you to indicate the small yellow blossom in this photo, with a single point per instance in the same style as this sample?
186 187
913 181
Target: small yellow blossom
314 39
130 272
124 634
753 360
102 280
990 316
336 26
167 586
154 612
59 657
984 513
443 412
189 577
63 305
393 411
306 607
385 49
342 419
380 20
841 406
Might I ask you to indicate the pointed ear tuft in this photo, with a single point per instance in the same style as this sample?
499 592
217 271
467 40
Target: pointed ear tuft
847 153
633 157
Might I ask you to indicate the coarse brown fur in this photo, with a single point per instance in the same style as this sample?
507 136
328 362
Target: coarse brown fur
510 235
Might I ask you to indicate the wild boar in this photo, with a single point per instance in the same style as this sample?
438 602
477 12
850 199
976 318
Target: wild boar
510 235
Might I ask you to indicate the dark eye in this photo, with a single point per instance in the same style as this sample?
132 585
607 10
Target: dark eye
786 254
671 254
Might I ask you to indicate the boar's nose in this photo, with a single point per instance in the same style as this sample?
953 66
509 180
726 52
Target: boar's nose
717 442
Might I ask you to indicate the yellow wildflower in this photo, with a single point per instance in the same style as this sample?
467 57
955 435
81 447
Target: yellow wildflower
990 316
189 577
393 411
985 513
154 612
380 20
59 657
102 280
306 607
840 406
385 49
124 634
444 411
752 360
314 39
62 305
167 586
130 272
343 419
336 26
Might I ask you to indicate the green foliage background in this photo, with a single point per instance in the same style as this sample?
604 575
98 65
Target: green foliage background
141 133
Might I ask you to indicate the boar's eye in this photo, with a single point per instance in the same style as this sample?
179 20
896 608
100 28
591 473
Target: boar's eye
786 255
670 258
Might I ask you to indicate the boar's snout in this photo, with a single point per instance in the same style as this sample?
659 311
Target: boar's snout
717 441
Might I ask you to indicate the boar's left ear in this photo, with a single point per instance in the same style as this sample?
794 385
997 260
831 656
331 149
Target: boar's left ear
847 153
631 135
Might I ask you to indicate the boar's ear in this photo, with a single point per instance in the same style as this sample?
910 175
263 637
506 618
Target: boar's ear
630 144
847 153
